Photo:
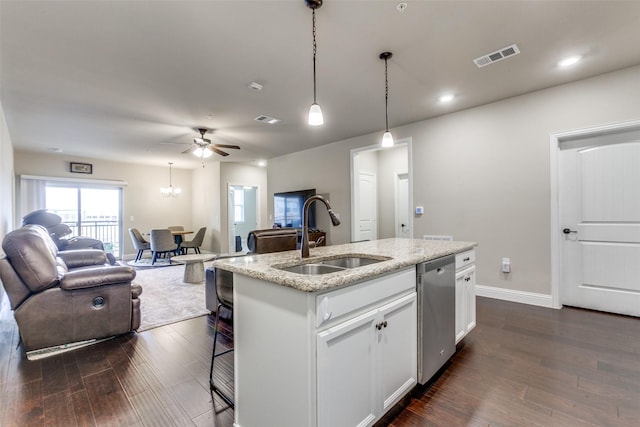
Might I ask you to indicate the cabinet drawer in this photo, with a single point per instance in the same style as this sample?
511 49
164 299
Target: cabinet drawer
465 259
351 299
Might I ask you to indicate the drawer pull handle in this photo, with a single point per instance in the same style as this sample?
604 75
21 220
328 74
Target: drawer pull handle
466 259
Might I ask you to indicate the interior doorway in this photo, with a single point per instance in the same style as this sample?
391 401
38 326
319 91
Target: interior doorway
372 215
243 215
596 232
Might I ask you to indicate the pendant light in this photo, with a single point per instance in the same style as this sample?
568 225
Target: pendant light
170 191
315 113
387 138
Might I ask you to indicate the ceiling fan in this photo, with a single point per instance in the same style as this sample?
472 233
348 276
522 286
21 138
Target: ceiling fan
203 148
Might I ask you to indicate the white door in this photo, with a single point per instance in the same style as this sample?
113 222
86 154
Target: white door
402 206
367 207
600 222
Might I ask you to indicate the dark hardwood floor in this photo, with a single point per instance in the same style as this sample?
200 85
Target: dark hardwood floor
522 365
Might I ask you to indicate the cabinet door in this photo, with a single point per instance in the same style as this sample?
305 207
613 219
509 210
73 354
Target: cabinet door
470 299
397 340
461 306
347 359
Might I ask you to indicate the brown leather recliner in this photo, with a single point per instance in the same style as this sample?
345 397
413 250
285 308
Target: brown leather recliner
272 240
65 297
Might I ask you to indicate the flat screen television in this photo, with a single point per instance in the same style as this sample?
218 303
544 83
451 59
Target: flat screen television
287 208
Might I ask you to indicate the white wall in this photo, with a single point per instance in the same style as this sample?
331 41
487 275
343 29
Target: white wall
206 205
481 174
141 197
7 222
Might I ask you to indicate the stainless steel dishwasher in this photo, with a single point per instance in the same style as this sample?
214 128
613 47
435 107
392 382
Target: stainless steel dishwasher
436 315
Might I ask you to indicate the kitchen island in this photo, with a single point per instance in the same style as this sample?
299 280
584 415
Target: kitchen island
328 349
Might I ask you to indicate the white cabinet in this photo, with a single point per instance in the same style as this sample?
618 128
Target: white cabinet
465 294
366 364
338 358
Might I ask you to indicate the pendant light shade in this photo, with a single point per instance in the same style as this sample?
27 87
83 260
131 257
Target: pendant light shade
315 115
315 112
387 138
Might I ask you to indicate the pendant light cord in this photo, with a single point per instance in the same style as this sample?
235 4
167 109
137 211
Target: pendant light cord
314 55
386 95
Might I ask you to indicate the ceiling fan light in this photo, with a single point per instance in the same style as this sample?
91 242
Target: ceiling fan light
315 115
387 140
206 153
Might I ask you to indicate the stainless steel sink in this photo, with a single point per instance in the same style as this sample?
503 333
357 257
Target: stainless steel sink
350 262
330 265
312 269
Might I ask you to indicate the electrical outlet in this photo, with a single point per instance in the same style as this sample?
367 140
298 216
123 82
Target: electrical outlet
506 265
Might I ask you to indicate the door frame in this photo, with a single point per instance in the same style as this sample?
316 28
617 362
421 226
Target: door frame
230 237
354 178
399 176
556 141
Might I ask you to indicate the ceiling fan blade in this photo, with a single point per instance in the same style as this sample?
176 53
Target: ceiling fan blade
222 153
188 150
227 146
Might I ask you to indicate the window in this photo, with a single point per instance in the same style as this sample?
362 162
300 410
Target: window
88 211
238 205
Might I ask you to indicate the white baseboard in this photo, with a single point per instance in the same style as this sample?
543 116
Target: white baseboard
522 297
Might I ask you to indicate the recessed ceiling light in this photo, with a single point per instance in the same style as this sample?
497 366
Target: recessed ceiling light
569 61
446 98
401 7
255 86
55 149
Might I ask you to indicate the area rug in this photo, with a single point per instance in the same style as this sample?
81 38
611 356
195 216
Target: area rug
146 263
166 298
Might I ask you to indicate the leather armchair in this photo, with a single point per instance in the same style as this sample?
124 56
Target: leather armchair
272 240
68 296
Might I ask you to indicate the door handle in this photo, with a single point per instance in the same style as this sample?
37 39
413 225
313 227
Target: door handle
568 231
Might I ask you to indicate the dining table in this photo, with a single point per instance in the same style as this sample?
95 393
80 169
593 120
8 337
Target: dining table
178 235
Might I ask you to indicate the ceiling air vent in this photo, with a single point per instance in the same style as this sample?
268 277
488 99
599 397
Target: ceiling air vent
496 56
266 119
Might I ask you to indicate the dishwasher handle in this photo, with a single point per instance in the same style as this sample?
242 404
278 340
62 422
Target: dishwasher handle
435 264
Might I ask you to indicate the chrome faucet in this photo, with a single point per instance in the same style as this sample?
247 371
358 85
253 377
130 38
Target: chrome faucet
304 247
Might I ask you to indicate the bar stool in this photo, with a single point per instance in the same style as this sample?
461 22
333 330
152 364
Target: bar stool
224 292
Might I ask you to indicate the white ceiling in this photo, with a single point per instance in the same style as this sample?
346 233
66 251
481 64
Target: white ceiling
129 79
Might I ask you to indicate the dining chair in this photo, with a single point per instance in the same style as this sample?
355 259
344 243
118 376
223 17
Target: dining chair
139 243
195 243
162 242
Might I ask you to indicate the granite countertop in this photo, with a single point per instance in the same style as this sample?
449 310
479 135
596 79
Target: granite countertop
396 253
